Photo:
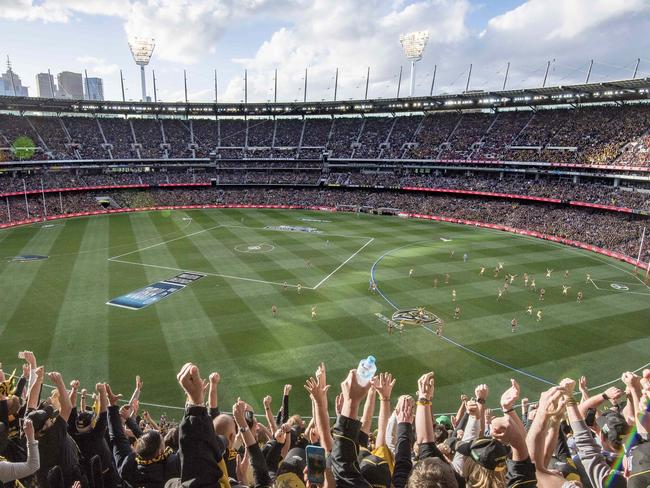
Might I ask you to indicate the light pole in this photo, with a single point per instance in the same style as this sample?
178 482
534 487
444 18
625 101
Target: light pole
142 49
413 45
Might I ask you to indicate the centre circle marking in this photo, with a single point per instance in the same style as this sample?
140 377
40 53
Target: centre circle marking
263 247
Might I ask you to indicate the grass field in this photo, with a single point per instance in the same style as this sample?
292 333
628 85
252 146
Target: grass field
57 307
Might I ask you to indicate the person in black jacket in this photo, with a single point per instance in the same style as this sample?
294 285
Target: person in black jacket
345 451
89 432
201 451
150 464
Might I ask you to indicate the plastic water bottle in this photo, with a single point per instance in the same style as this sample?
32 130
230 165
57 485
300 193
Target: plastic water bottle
366 370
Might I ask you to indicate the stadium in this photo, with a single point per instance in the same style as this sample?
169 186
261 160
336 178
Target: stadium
492 237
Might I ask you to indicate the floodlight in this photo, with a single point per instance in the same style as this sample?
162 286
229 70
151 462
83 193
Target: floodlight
413 45
142 49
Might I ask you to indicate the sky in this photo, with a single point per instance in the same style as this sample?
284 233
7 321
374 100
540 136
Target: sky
230 36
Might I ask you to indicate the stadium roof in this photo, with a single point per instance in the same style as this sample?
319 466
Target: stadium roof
611 91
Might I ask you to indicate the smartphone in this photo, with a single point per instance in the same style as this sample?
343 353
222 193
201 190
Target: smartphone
315 464
21 355
250 418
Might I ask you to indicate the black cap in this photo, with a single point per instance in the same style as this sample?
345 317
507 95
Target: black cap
294 462
639 466
614 426
487 452
375 471
84 419
41 416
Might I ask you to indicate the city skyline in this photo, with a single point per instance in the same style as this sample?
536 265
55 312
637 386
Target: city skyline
320 36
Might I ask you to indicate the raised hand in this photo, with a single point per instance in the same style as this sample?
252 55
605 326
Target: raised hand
383 384
583 383
243 462
113 399
510 396
426 386
138 383
55 378
404 409
215 378
317 391
280 435
74 384
338 404
28 430
190 380
568 385
29 357
287 389
481 392
631 380
613 393
351 389
472 408
239 413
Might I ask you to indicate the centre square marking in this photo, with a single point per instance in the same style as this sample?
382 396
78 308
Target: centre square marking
217 251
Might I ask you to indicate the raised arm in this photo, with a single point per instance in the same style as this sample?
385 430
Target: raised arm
268 413
199 451
345 465
633 382
403 446
35 388
64 399
72 394
368 411
384 384
423 415
260 470
318 388
594 462
213 394
596 401
136 392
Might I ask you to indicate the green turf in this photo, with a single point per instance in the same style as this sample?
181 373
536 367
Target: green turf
57 307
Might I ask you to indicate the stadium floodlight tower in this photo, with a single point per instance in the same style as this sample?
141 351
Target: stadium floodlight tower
142 49
413 45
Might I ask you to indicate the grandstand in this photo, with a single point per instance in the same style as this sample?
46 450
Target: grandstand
295 233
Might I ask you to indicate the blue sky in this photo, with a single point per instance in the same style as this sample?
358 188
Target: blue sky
261 35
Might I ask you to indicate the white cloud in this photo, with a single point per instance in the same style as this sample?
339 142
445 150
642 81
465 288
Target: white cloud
327 35
97 66
562 19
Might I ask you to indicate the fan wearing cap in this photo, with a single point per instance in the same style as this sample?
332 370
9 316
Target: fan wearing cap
598 470
89 433
149 464
55 446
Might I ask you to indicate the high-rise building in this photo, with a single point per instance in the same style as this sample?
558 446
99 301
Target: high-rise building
94 89
45 85
11 85
70 85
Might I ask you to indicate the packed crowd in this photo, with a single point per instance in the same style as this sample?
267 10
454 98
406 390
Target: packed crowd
636 197
589 135
609 230
90 437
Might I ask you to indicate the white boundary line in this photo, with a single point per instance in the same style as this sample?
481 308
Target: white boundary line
343 263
